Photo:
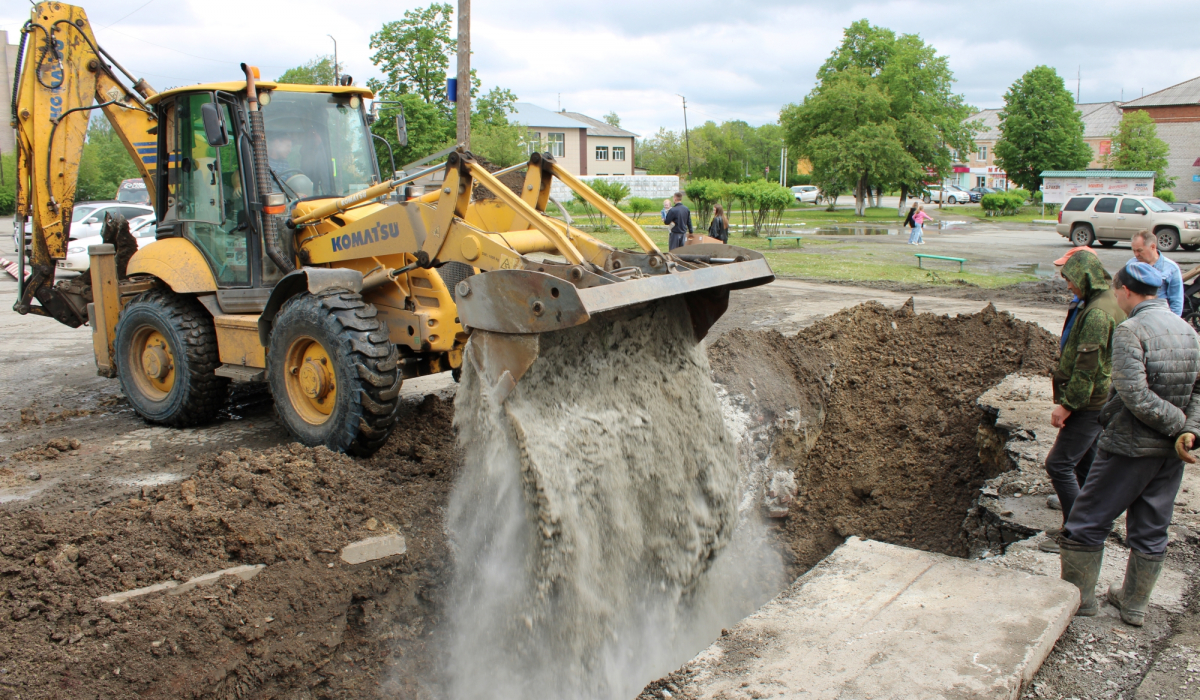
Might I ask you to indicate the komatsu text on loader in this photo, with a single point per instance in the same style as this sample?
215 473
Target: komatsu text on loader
283 256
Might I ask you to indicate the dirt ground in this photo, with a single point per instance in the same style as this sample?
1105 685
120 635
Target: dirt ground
93 501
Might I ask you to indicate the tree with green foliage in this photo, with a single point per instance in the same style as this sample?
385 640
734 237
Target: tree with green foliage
641 205
732 151
766 202
704 194
104 164
493 136
414 53
845 128
8 183
1040 129
612 120
1136 146
908 121
611 190
318 71
430 129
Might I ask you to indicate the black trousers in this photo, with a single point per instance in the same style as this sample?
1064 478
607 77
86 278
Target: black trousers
676 240
1143 487
1069 460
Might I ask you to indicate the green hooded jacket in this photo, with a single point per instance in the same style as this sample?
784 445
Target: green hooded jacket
1084 372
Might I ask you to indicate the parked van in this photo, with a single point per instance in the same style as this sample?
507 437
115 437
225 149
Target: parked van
133 191
1108 218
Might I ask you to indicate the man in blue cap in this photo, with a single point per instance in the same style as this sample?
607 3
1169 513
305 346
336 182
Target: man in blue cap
1151 420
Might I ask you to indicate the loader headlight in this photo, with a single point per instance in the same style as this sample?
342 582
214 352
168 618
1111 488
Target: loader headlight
77 249
1194 223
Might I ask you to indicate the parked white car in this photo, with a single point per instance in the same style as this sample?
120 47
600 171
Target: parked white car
952 194
77 260
806 193
88 217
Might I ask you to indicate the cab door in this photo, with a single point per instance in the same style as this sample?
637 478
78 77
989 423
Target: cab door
204 198
1104 218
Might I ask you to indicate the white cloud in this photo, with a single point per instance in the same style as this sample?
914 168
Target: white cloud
731 60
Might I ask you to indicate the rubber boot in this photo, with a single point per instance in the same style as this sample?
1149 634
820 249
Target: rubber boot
1081 566
1133 597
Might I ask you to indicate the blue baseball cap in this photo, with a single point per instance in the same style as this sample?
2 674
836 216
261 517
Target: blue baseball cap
1144 273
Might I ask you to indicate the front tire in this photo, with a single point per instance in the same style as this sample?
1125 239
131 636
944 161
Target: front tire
334 372
1107 244
1168 240
166 355
1082 235
1190 246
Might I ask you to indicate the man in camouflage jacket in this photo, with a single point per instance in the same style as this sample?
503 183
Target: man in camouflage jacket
1082 379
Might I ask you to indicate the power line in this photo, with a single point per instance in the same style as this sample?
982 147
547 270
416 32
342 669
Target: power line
190 55
127 16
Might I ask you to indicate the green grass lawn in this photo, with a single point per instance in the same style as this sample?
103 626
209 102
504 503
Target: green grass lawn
1025 215
822 260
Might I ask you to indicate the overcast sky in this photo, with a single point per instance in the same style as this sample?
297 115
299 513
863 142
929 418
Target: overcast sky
733 60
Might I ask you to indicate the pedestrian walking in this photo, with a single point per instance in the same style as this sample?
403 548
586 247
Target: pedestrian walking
908 219
1145 249
1151 421
679 223
666 208
919 218
1082 379
718 228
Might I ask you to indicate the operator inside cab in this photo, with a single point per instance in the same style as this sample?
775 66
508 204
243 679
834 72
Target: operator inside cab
284 135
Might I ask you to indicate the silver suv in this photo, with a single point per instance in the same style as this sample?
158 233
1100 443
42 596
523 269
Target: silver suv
1108 218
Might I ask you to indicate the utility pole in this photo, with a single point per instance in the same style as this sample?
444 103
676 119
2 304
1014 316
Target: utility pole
686 139
335 62
463 101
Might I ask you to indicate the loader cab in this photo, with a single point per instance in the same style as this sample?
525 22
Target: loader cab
318 146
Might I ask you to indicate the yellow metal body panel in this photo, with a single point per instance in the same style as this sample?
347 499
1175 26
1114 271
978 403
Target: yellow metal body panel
178 263
237 340
106 309
240 86
61 77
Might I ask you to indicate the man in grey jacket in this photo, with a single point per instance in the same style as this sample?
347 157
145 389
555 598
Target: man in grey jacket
1150 420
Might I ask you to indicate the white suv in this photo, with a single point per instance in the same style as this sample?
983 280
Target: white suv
1108 218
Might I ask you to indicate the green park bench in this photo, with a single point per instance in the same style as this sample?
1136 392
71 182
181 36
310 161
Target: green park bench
771 240
921 256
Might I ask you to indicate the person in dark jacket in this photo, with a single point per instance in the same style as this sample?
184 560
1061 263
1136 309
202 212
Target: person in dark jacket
1082 379
679 223
1151 420
719 227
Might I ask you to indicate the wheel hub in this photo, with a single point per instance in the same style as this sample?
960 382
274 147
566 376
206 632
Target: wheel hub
155 363
314 379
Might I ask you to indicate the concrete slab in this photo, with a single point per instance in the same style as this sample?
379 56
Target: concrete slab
1168 593
245 573
374 549
875 620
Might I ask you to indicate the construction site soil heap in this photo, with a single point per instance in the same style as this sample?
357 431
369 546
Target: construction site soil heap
895 459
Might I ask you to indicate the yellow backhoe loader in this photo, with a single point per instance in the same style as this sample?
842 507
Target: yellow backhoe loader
283 256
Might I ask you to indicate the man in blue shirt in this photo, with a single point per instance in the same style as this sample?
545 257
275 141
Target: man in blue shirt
1145 249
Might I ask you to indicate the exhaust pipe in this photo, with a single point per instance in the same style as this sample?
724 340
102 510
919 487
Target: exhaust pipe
272 204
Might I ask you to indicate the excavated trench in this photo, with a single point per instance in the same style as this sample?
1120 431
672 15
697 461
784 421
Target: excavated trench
863 424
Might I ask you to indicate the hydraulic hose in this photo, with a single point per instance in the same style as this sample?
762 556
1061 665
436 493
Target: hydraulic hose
269 223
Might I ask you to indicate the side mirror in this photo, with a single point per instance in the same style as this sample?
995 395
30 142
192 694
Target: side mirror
214 125
1140 210
401 128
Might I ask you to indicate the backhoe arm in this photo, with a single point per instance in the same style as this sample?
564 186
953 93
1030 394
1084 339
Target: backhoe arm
62 76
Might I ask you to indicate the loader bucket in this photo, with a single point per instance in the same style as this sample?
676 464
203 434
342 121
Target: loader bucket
508 310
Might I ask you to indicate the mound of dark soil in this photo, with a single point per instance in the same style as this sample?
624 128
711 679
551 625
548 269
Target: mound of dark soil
896 459
306 624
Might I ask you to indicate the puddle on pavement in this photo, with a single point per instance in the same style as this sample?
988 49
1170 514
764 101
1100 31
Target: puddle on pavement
1034 269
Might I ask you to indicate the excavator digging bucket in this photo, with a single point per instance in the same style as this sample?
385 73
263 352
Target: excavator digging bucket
510 312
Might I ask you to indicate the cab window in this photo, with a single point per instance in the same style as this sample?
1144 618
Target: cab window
1106 205
1129 206
205 198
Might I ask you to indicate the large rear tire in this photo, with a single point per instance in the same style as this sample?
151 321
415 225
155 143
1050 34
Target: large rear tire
166 355
333 372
